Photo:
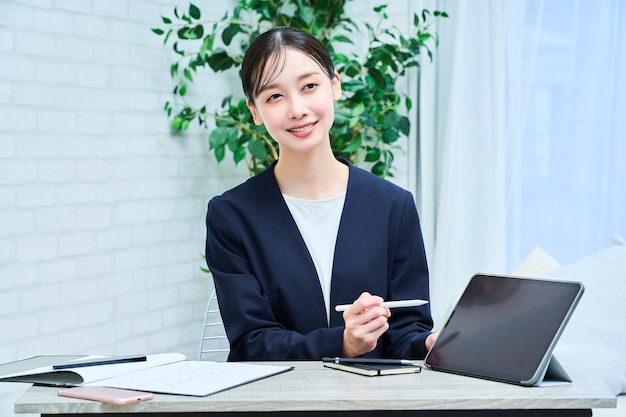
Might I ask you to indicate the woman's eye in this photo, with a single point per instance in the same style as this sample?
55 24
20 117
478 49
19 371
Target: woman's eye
273 97
310 86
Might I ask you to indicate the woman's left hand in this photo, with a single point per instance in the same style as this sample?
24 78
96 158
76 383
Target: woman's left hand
430 340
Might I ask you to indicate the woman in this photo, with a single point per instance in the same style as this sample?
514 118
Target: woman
311 231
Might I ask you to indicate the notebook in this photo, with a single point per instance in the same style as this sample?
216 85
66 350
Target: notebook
505 328
375 369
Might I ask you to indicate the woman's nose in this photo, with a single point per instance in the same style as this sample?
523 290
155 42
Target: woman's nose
297 108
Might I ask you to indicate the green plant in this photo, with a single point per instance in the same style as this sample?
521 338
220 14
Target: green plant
370 117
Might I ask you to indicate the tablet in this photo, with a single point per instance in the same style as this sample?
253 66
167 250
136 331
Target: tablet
505 328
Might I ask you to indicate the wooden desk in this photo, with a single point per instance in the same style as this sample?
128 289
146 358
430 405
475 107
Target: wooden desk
310 389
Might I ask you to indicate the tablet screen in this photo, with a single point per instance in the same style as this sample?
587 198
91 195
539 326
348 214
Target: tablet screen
504 328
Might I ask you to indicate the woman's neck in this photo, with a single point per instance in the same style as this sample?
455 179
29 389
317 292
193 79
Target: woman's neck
313 176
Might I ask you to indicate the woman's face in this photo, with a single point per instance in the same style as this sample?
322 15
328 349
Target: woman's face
297 106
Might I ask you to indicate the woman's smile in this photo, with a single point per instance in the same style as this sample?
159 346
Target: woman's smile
297 104
302 130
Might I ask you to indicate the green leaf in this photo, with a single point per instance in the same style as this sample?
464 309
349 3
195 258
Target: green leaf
187 74
198 31
377 77
229 33
220 61
358 109
404 125
191 33
342 38
182 90
381 169
307 14
194 11
158 31
218 138
182 34
408 103
352 146
390 135
257 148
166 20
207 44
220 153
380 8
389 120
239 154
178 51
232 142
372 155
167 36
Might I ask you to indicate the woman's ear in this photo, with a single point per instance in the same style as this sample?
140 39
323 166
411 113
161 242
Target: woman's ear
336 85
255 113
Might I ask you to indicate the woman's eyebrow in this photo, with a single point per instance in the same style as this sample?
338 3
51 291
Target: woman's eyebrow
300 78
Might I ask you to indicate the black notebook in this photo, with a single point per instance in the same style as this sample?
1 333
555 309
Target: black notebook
374 369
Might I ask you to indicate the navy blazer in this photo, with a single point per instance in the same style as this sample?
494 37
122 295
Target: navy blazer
267 287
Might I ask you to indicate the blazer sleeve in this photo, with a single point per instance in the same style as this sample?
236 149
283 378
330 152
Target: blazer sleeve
409 278
253 330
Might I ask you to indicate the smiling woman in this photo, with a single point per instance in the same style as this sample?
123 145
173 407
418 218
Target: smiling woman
287 244
372 117
294 99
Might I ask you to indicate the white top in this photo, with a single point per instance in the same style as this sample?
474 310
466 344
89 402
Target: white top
318 222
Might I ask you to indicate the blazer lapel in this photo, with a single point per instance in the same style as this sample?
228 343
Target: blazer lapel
288 236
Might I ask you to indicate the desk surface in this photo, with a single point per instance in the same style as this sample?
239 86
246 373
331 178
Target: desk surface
311 387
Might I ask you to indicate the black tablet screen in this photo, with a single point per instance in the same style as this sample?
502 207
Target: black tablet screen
503 327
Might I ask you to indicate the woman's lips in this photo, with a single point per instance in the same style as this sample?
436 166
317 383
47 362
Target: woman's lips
301 129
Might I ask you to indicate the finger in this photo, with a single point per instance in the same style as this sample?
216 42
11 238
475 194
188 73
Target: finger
366 301
376 325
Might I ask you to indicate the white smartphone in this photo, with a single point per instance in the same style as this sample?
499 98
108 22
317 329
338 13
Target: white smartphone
106 394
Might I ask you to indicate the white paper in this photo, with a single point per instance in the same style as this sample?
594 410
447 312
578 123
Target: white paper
99 372
196 378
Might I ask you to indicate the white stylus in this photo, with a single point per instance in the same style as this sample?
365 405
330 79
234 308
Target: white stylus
390 304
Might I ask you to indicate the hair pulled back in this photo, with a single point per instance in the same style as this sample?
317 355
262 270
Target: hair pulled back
265 57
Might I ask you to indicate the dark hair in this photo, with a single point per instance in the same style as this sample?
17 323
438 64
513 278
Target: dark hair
266 56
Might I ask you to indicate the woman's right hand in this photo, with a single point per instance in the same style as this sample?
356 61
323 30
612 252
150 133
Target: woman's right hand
365 322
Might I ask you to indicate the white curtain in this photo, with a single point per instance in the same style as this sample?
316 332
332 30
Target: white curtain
463 159
570 194
521 136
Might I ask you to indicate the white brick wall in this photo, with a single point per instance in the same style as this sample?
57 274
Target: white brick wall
101 208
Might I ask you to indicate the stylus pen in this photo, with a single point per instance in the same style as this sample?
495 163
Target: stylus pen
100 361
390 304
369 360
